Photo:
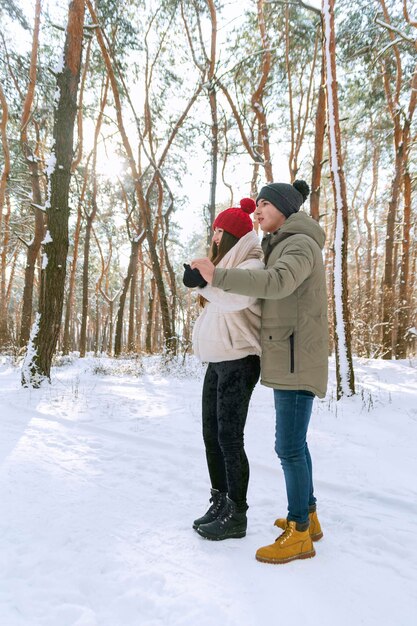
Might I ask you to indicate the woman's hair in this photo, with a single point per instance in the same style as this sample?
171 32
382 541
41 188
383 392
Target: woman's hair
217 252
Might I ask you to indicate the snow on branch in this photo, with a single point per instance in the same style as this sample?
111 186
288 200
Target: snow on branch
402 34
41 207
302 3
387 47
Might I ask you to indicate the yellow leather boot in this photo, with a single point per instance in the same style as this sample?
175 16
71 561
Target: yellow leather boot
292 544
316 532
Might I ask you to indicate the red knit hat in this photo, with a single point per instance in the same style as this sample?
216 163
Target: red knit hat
236 220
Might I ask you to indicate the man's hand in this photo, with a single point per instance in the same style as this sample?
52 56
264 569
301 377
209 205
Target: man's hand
205 267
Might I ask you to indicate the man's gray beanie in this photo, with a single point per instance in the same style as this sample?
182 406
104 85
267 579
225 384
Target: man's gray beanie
286 198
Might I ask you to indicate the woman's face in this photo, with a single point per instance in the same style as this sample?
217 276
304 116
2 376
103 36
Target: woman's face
217 236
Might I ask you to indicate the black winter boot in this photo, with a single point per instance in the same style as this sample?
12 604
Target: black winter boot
218 500
231 523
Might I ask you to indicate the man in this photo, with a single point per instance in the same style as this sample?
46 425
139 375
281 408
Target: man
294 341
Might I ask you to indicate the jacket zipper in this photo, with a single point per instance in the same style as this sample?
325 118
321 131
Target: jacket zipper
292 353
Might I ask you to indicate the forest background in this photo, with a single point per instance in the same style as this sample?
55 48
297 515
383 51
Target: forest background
125 127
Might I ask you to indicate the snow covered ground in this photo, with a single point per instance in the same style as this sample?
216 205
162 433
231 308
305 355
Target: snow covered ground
102 474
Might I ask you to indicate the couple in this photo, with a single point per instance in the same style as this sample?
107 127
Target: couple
277 310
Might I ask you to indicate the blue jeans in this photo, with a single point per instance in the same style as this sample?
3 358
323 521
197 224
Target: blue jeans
293 411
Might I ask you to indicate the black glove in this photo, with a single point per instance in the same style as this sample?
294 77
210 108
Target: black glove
192 277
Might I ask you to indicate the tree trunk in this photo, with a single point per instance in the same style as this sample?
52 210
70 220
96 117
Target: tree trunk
32 161
89 225
5 335
150 317
214 120
388 283
344 368
404 291
133 261
71 288
3 228
111 327
131 340
370 251
4 323
86 272
33 249
257 96
45 331
318 143
214 161
155 325
97 324
140 304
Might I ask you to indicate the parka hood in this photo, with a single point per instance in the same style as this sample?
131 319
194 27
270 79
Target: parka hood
297 224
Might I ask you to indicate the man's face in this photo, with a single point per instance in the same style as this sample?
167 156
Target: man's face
268 216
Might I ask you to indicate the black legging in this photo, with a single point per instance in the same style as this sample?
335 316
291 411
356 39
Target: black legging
227 391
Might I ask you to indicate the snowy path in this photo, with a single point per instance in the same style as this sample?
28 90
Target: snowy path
101 477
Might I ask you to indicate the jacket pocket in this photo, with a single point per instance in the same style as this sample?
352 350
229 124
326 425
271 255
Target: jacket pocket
292 353
278 351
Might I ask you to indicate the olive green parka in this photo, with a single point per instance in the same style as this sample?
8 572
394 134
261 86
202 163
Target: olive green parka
292 287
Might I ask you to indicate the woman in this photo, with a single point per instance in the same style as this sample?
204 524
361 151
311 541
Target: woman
227 336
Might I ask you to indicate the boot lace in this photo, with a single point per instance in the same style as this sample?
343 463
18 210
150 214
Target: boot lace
216 504
225 515
285 535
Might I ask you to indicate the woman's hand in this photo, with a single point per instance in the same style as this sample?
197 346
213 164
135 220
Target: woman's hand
205 267
193 278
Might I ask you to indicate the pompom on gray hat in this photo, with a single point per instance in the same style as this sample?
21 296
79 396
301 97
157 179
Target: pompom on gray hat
286 198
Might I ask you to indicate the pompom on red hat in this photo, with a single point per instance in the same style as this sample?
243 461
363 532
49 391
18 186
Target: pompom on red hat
236 220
